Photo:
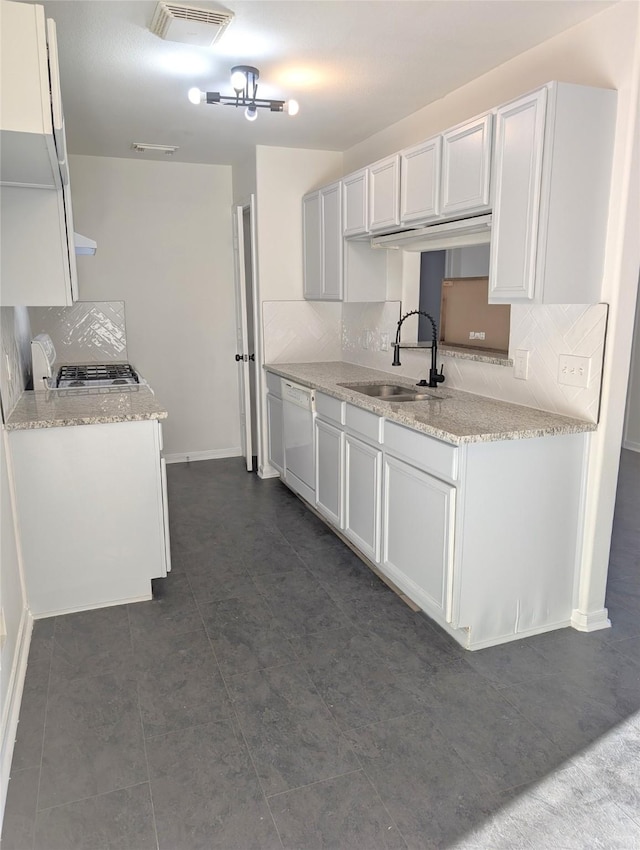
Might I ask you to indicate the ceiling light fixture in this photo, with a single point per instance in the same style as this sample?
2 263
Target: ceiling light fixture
244 81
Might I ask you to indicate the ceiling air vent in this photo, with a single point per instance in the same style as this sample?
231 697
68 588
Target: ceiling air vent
189 25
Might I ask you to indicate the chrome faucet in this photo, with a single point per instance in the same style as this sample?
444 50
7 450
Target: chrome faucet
435 377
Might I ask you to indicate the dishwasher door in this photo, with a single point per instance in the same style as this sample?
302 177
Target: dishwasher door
298 410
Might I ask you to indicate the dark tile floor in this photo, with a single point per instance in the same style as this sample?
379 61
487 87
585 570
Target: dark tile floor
276 694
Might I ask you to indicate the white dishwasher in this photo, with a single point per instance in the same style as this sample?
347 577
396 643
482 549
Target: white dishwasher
298 411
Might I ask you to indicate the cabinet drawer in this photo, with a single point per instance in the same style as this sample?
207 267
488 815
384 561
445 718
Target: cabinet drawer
430 454
330 408
274 385
364 422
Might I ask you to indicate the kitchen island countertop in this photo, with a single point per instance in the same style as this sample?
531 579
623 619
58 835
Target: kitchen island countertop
91 406
450 415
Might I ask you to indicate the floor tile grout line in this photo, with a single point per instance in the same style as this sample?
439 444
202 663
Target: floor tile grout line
44 730
144 741
249 753
92 797
314 783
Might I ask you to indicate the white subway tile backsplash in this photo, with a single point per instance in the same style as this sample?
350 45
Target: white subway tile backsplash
87 332
301 331
545 331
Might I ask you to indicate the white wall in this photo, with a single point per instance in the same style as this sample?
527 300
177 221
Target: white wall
632 418
284 175
244 180
165 249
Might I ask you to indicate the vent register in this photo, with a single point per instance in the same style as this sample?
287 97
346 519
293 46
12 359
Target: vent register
189 25
185 25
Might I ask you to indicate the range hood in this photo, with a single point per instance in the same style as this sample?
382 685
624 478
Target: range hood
83 244
439 237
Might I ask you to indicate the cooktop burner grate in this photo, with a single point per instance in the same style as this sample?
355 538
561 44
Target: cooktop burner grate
101 374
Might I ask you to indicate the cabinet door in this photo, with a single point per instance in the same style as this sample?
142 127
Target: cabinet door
363 465
355 207
312 245
420 182
418 528
331 217
515 218
384 193
466 167
329 449
275 428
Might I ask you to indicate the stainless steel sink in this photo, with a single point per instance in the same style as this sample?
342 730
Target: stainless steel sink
388 392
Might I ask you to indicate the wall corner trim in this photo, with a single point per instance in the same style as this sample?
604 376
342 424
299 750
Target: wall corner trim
590 622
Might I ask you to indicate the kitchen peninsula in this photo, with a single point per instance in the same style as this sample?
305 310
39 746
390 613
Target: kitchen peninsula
470 506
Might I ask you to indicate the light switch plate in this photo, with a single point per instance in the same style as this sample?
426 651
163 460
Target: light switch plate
574 371
521 364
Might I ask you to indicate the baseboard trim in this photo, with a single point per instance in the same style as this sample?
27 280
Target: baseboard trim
631 445
268 472
12 706
214 454
592 622
145 597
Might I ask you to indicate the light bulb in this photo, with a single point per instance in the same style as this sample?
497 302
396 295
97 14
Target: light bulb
292 107
196 96
238 81
251 113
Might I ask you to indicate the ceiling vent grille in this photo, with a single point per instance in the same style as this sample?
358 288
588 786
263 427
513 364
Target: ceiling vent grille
189 25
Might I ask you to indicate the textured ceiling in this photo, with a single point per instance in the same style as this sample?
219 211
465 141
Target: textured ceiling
354 67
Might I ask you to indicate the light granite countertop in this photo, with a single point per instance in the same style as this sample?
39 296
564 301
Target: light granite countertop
451 415
92 406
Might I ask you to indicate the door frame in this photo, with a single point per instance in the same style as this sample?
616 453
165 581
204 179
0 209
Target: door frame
239 209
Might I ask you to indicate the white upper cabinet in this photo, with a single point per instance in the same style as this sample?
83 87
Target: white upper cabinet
28 148
322 243
312 245
466 168
552 170
355 203
384 194
420 168
331 220
38 262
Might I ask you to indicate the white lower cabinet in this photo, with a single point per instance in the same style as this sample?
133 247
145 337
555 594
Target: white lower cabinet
329 446
418 531
91 503
362 491
275 426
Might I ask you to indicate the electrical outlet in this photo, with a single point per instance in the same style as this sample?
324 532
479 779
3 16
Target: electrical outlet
521 364
367 337
574 371
384 341
477 335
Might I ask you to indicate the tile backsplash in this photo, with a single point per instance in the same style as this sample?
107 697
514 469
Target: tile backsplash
545 331
87 332
301 331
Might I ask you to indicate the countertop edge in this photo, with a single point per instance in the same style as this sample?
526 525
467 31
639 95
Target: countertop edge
83 420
